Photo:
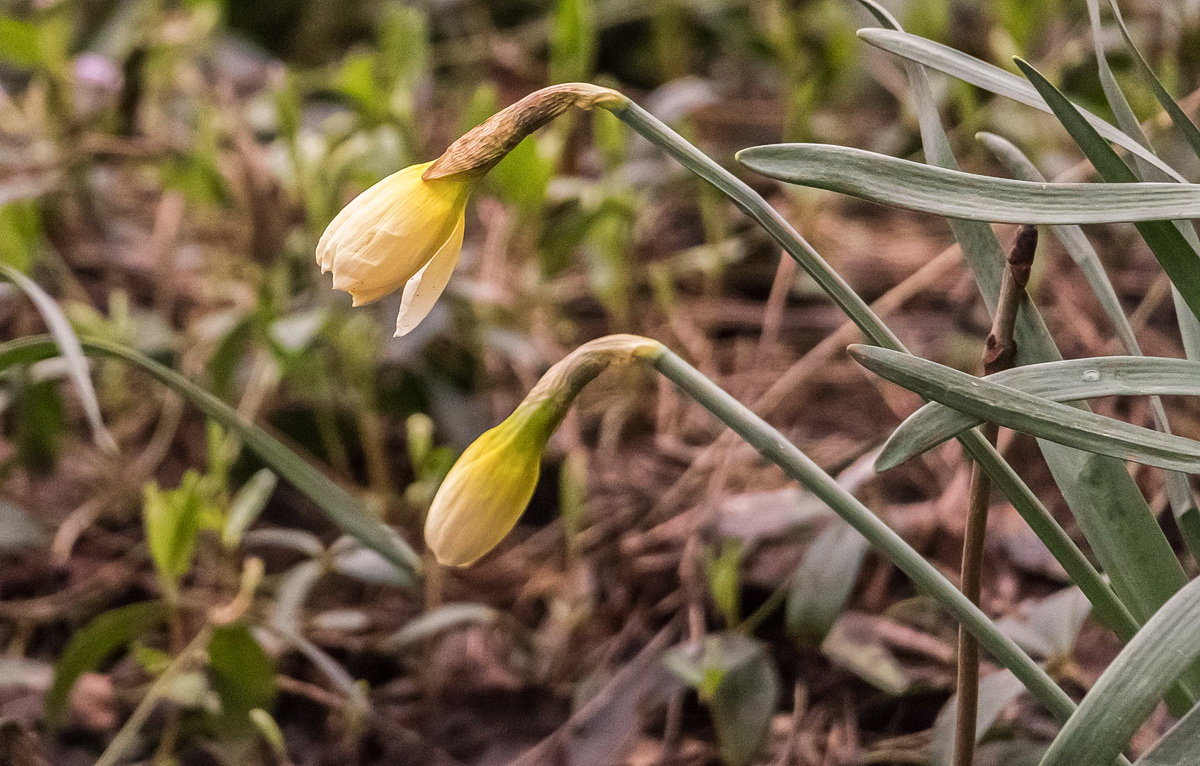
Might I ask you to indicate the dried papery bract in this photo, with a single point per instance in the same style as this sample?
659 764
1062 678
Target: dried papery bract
486 144
489 486
406 231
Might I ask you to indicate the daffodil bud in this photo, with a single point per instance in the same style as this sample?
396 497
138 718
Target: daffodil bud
407 230
489 486
402 232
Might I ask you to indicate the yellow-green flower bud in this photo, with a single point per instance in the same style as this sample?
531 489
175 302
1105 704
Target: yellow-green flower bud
487 489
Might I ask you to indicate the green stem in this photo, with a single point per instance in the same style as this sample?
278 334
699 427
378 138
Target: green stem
766 216
1108 607
774 447
126 738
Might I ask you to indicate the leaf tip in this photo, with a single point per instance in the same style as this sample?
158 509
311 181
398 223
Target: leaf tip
858 351
889 457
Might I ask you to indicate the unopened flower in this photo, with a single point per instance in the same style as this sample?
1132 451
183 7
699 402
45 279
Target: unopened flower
407 230
487 489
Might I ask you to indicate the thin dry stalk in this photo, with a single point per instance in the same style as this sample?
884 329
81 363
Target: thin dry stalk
998 354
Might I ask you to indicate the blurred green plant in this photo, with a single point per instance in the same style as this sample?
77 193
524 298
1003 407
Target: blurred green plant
369 119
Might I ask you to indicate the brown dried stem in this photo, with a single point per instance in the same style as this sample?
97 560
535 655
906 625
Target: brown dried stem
999 352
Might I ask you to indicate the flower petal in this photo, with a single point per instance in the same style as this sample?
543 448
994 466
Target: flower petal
387 234
367 205
423 289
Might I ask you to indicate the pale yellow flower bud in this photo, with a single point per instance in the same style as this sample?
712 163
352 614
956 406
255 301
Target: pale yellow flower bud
402 232
407 230
487 489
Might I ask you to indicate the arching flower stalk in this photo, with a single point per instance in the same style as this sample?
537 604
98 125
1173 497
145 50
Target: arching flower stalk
459 535
489 486
406 231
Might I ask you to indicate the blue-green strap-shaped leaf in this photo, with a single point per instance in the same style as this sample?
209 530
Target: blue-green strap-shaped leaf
1179 493
1165 238
1065 381
1031 414
1132 684
1073 240
336 503
1178 747
1178 117
956 194
881 14
1136 556
994 79
1122 112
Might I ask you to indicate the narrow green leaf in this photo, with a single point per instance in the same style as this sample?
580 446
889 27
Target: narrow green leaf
1117 103
77 366
1073 240
1109 609
1062 381
172 520
1178 117
91 644
722 569
955 194
1013 408
995 80
881 14
1178 747
1135 553
1077 245
1170 247
336 503
1132 684
246 506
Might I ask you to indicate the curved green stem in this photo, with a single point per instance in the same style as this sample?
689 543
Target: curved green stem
773 446
1109 608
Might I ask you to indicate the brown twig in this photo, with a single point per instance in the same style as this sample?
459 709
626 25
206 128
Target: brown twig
998 354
